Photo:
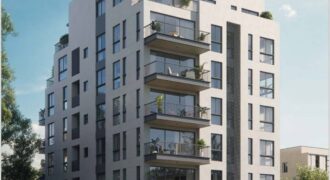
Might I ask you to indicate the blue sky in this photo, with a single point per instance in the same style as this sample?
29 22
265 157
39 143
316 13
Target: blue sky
304 61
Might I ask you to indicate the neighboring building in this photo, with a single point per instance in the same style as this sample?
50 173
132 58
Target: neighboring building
292 158
138 83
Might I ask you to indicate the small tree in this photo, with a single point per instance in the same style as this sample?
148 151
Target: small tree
308 173
267 15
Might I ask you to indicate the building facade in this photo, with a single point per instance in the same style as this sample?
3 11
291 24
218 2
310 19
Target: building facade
153 89
292 158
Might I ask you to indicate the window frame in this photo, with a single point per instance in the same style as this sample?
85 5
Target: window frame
115 39
218 42
124 34
250 151
265 53
262 88
250 47
138 68
116 111
51 133
218 151
213 78
116 147
216 99
100 8
116 81
100 47
265 121
250 81
62 68
265 156
100 81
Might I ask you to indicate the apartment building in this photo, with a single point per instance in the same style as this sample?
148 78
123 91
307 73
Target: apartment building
156 89
293 157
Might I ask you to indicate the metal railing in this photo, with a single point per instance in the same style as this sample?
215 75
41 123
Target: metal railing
178 110
195 73
59 46
191 6
173 148
176 31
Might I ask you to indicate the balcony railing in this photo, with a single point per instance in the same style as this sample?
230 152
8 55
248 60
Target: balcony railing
176 31
42 117
42 147
75 133
59 46
179 149
75 165
178 110
75 101
194 73
192 6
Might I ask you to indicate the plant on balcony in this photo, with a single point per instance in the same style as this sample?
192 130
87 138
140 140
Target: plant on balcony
155 26
64 39
202 36
201 145
159 102
184 3
199 71
202 111
267 15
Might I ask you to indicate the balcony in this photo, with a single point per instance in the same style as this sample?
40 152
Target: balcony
75 101
75 133
75 165
177 77
164 36
42 147
177 153
191 6
178 115
63 43
42 117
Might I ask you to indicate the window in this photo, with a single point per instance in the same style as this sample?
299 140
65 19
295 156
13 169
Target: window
116 2
65 129
138 26
216 147
124 71
65 98
86 152
247 11
138 173
85 86
233 8
51 158
266 85
216 111
65 160
51 134
250 151
216 39
250 81
85 118
85 52
100 112
250 176
216 72
137 65
100 84
116 75
100 8
124 174
100 151
266 51
267 119
116 173
116 111
250 46
250 116
51 104
124 108
116 147
100 55
62 68
317 161
266 177
138 134
216 175
266 153
124 34
116 39
285 167
138 103
124 145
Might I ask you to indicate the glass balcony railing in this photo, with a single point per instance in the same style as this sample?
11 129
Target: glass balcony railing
178 110
42 114
177 31
191 5
173 148
188 72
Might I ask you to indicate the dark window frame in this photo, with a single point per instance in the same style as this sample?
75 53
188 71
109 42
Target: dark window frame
51 133
250 116
213 64
272 156
267 88
268 54
268 122
138 68
100 8
138 107
250 151
124 145
138 30
216 41
100 41
116 111
116 75
216 151
124 71
101 84
65 97
115 39
216 99
138 142
250 47
51 104
62 67
116 147
250 81
124 34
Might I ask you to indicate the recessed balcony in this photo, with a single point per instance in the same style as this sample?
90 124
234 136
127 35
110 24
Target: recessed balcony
176 153
186 5
42 117
175 38
42 147
178 115
176 77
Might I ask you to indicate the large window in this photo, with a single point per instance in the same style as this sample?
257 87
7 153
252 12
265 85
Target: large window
216 111
266 51
116 39
266 153
138 141
100 55
65 98
250 116
100 84
216 147
51 159
250 81
250 176
65 160
62 68
51 134
116 2
100 151
100 117
116 75
100 8
116 175
116 111
65 129
116 147
216 72
285 167
216 38
250 151
266 177
266 85
250 46
51 104
216 175
171 173
267 119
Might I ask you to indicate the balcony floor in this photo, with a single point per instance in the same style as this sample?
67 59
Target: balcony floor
177 121
176 159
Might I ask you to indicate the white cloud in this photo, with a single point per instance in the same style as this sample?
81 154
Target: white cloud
288 10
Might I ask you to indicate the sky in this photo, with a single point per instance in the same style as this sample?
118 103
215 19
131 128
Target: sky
304 62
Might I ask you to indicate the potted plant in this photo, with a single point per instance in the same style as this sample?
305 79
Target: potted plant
64 39
201 145
199 71
202 36
184 2
159 102
267 15
155 26
202 111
